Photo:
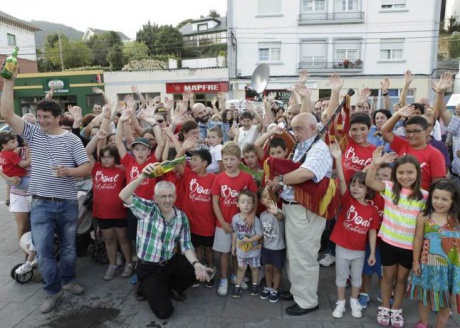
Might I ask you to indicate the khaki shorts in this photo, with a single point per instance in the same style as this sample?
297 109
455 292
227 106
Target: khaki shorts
222 241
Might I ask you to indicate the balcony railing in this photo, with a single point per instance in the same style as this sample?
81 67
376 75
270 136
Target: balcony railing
331 18
356 65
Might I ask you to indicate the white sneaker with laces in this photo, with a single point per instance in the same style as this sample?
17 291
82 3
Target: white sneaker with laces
339 309
327 260
356 310
223 287
26 267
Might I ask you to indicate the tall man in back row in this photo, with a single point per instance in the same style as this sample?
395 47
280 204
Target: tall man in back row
58 158
303 228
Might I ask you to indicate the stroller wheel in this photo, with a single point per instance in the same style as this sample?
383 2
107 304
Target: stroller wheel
22 278
83 242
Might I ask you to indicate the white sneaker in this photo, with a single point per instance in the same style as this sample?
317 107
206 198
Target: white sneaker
26 267
223 287
327 260
339 309
356 310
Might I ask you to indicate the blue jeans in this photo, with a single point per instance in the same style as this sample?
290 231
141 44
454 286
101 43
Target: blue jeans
50 217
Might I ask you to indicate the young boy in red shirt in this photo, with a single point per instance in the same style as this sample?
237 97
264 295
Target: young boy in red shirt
225 190
11 164
197 205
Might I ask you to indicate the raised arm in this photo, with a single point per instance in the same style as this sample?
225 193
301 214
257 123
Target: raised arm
260 120
408 78
7 106
336 85
387 128
101 92
337 154
444 83
92 145
135 90
371 181
260 142
124 118
384 85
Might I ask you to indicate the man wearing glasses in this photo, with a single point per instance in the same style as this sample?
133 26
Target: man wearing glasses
163 273
416 129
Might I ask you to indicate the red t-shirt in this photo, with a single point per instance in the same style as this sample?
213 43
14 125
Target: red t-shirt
9 161
353 223
133 169
227 188
197 204
431 160
107 184
356 158
178 181
379 204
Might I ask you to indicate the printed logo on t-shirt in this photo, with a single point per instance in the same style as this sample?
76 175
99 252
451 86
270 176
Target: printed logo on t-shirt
268 231
353 162
135 173
199 193
355 222
104 182
229 195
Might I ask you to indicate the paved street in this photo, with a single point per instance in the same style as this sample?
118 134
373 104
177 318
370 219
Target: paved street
112 304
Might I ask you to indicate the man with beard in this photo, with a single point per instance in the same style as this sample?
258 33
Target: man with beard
201 116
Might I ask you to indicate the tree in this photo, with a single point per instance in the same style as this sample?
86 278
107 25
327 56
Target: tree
454 46
116 58
74 53
147 36
168 40
213 13
101 46
135 51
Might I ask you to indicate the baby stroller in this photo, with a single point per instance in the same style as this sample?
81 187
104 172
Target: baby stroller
26 244
85 221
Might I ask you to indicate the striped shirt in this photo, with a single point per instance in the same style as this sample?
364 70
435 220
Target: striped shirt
454 129
318 161
45 149
399 221
156 237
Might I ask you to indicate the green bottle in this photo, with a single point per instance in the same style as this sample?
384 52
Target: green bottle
166 166
11 63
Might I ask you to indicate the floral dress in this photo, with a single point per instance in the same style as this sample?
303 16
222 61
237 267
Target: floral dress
439 284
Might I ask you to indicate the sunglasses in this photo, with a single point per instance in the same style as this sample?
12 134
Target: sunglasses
160 121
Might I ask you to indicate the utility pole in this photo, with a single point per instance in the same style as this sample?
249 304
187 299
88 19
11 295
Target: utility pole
60 51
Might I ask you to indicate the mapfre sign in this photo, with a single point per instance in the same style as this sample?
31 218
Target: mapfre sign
197 87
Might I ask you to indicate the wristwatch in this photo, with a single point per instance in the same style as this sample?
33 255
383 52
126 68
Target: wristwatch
280 180
195 262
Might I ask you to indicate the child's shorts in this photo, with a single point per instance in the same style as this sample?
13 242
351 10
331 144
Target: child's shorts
377 267
391 255
205 241
222 241
273 257
112 223
253 262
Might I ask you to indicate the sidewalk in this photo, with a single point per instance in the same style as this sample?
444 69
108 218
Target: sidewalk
112 304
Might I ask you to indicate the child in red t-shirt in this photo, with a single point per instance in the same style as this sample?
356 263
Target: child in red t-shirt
11 164
197 204
108 209
225 190
358 151
356 218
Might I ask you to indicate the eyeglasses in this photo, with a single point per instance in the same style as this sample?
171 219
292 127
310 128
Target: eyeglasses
104 158
164 197
160 121
416 133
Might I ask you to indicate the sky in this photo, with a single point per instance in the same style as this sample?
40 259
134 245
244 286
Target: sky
127 17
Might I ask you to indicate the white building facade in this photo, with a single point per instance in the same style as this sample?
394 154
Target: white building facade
362 40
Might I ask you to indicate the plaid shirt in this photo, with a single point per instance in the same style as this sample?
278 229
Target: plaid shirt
454 129
156 238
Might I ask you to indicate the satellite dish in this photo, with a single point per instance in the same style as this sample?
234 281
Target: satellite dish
259 79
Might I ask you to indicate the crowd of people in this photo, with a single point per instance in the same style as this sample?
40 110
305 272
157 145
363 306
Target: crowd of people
177 183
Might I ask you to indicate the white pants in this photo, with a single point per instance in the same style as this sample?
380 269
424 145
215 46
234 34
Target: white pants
303 231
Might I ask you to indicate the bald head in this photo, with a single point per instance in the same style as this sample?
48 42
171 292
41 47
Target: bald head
200 113
304 126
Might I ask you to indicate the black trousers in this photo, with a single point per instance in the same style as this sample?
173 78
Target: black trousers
156 282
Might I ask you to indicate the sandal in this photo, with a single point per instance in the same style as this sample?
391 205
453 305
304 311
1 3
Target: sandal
420 325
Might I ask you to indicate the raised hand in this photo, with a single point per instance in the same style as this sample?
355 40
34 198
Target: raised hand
303 77
169 103
408 77
189 143
125 116
377 157
406 111
364 95
389 157
272 207
101 134
384 85
214 101
129 100
334 148
134 89
444 83
97 90
302 90
107 111
336 82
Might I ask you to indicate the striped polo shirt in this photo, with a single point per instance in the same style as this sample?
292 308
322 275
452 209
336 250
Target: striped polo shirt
399 221
45 149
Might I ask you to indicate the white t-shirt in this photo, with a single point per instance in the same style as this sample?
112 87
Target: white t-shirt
247 136
216 154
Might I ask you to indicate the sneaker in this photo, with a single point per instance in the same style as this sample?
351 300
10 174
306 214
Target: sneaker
128 271
24 268
274 296
396 318
327 260
34 263
244 285
383 316
197 283
133 279
223 287
50 301
339 309
265 293
237 291
74 288
111 271
356 310
209 284
363 300
255 289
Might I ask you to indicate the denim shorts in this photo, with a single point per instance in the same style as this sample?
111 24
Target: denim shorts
377 267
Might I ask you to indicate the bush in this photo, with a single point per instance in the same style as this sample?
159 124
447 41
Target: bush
454 46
